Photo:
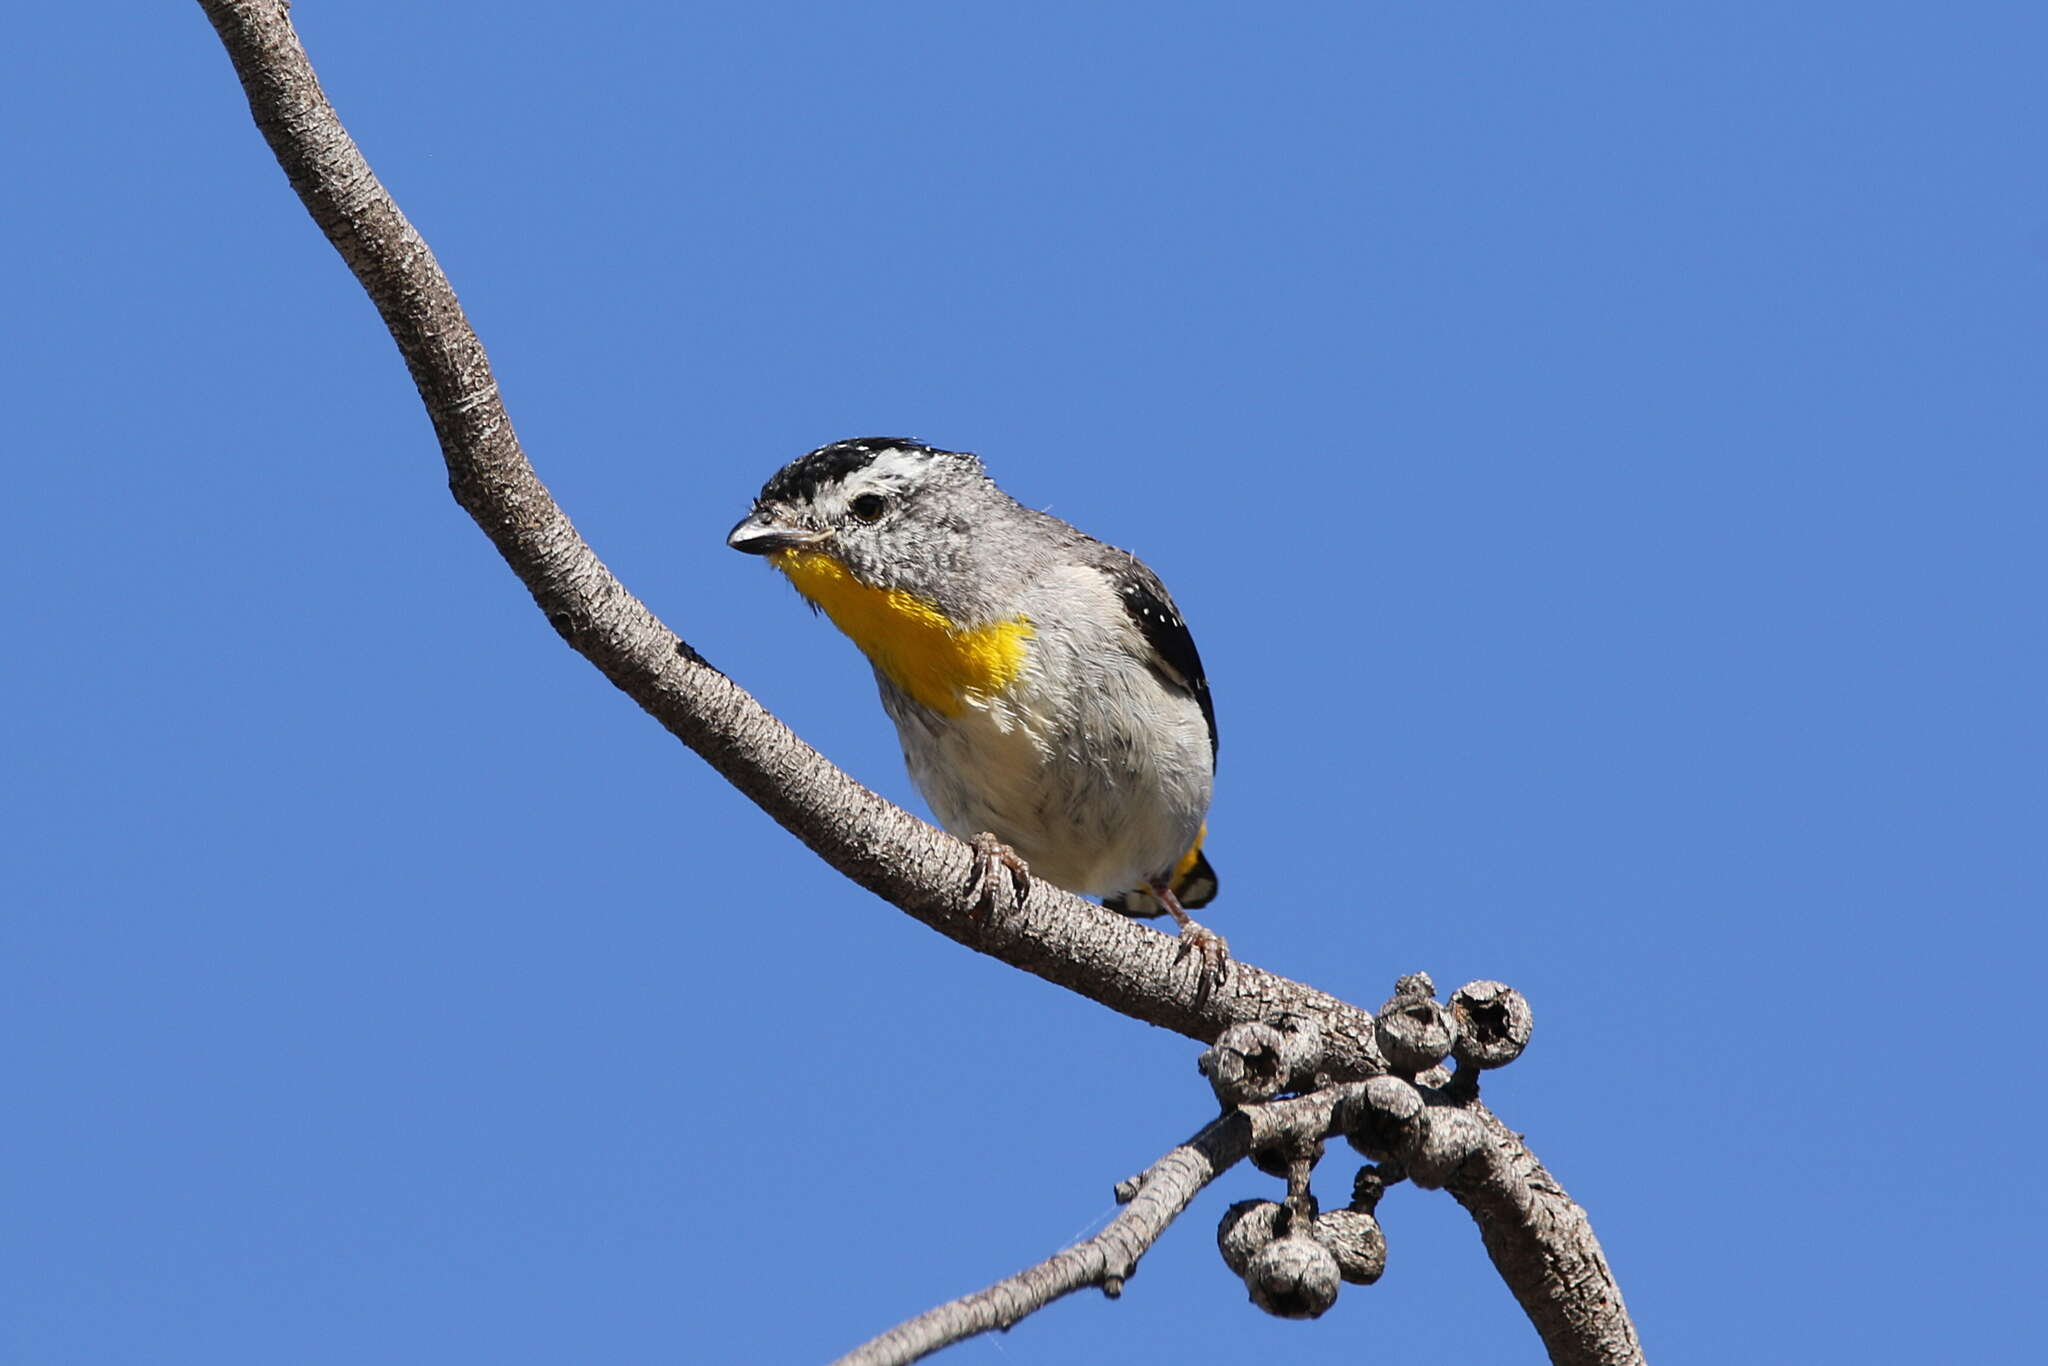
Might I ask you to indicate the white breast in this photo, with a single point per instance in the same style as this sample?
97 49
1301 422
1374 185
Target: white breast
1090 766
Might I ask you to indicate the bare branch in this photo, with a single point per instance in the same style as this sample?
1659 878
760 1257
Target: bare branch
1539 1239
1161 1192
1542 1244
1153 1199
1126 966
1075 943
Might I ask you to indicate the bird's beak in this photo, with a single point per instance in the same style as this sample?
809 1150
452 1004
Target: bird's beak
762 532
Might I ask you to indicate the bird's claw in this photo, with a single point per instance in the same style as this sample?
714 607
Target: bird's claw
1212 948
991 854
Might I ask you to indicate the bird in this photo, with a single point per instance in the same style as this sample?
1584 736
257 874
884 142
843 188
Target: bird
1049 699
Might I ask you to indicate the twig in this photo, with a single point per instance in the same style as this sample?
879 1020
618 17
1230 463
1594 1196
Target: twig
1154 1199
1163 1190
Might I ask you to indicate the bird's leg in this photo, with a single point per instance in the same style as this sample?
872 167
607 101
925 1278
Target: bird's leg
1213 948
991 854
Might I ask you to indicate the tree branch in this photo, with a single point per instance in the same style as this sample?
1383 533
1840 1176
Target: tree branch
1161 1192
1126 966
1542 1244
1152 1200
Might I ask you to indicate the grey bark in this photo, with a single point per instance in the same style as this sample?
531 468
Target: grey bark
1152 1200
1108 1259
1539 1239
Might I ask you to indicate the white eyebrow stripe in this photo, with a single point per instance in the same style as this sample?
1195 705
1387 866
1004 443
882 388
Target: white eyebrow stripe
894 467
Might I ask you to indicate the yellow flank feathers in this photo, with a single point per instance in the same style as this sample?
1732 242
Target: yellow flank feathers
908 638
1187 860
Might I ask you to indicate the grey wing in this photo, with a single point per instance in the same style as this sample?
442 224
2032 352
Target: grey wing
1174 655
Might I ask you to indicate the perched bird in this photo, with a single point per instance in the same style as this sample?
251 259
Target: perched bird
1049 699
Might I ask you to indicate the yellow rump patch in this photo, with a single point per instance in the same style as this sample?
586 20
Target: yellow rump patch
908 638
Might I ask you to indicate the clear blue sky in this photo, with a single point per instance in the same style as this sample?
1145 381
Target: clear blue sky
1600 450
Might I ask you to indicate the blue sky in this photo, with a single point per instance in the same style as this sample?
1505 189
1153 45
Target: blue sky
1599 449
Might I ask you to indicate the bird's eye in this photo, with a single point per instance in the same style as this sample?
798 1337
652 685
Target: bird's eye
869 507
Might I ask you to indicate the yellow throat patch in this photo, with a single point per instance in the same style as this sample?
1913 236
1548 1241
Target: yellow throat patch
908 638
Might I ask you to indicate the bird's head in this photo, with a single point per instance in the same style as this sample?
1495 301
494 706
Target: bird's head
889 513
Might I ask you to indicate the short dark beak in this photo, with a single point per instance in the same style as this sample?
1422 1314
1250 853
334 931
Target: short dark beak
761 532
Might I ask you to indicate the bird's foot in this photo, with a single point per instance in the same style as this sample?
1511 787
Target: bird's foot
1199 939
992 859
1212 947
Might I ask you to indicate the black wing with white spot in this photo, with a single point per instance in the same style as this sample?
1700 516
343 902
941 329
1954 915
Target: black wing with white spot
1175 656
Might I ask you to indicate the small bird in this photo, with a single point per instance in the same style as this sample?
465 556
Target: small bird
1049 699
